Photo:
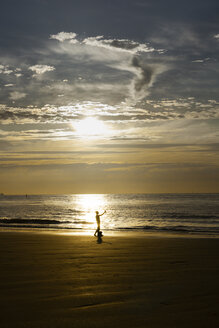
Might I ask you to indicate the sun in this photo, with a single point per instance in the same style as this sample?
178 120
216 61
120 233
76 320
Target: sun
90 127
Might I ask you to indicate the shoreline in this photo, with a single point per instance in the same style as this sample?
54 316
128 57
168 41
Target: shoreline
110 233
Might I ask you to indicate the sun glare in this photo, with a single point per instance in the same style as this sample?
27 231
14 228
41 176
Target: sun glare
92 202
90 127
89 204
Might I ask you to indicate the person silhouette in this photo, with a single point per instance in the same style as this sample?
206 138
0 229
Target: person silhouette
99 238
98 232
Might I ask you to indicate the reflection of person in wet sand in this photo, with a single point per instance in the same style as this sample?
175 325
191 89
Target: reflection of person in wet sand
98 222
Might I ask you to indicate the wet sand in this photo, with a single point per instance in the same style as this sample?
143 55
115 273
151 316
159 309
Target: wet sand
55 280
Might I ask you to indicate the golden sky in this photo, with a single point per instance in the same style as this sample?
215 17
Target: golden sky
91 156
113 97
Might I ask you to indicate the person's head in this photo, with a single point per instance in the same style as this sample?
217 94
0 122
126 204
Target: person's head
97 212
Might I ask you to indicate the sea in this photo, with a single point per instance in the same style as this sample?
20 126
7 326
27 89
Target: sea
196 214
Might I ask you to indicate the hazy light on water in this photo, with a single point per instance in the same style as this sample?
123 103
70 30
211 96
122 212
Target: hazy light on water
193 213
89 204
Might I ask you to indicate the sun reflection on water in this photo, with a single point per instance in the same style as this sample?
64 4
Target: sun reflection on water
89 204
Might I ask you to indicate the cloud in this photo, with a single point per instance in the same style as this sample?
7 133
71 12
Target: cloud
118 44
4 69
198 61
16 95
216 36
62 36
201 60
40 69
135 117
145 77
99 41
91 69
111 72
10 72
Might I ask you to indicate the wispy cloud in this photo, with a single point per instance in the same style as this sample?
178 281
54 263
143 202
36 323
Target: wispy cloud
157 110
145 77
200 60
118 44
117 80
91 69
62 36
16 95
99 41
4 69
40 69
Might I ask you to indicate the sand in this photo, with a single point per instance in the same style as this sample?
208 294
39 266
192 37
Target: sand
58 280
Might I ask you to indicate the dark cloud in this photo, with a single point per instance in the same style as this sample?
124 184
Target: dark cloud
111 166
124 44
60 152
189 147
146 73
119 44
145 77
28 116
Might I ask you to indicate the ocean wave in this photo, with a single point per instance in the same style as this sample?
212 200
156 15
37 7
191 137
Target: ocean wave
176 229
179 216
49 228
32 221
44 222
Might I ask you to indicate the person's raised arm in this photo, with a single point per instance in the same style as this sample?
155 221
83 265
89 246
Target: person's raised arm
103 213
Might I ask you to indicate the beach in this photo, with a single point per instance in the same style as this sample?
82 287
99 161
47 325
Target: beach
69 280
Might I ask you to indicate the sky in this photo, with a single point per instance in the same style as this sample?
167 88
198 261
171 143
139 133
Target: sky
113 96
